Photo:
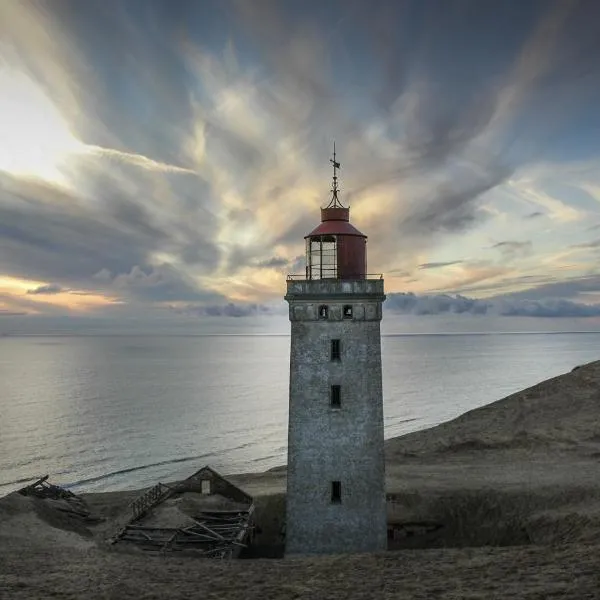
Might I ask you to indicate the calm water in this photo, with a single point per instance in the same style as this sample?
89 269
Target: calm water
115 412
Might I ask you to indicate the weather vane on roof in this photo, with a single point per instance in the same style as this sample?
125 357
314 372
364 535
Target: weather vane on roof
335 201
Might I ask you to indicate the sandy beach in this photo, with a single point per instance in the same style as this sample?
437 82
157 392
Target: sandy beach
503 502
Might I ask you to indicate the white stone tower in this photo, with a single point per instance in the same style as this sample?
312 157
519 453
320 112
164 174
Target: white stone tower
336 475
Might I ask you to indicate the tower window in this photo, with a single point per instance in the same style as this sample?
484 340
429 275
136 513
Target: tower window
348 311
323 311
335 350
336 492
336 396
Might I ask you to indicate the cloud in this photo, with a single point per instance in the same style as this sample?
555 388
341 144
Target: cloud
224 310
49 289
566 289
203 163
298 265
103 275
274 262
57 234
137 160
162 283
556 209
592 244
512 248
549 308
511 244
439 265
408 303
434 304
452 205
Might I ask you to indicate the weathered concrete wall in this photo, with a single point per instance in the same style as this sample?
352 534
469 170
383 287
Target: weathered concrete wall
328 444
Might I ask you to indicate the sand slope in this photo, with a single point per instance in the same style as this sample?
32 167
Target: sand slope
560 413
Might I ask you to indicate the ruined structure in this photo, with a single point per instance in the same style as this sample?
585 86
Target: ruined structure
204 514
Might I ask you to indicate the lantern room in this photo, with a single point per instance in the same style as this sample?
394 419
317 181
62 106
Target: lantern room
336 249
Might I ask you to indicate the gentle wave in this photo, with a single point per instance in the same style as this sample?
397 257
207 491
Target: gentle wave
399 420
113 474
138 468
17 481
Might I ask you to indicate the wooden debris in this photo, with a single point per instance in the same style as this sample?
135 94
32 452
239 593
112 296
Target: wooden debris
214 534
64 500
220 537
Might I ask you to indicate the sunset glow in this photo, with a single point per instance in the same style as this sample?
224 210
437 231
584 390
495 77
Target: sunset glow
34 138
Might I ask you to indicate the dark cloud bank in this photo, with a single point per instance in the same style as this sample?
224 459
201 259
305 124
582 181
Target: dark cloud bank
408 303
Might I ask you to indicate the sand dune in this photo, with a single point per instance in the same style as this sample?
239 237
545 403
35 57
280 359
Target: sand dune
560 413
502 502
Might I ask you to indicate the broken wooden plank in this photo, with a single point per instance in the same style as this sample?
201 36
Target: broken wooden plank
202 526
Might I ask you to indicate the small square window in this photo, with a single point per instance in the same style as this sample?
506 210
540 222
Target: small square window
336 492
336 396
348 311
323 311
335 350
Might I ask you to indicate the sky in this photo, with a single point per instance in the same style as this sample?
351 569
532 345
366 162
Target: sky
161 162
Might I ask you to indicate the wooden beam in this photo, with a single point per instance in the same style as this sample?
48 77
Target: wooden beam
202 526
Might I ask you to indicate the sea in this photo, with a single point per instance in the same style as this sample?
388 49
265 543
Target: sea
116 412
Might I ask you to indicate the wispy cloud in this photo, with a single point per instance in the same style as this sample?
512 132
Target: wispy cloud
439 265
49 289
9 313
513 248
274 262
592 244
555 208
200 138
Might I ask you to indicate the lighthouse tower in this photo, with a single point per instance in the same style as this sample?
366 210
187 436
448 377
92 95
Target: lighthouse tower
335 477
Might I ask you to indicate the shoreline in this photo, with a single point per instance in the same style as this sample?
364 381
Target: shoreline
103 452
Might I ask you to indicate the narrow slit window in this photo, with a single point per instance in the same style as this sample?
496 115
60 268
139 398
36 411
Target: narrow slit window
348 311
336 492
335 350
323 311
205 486
336 396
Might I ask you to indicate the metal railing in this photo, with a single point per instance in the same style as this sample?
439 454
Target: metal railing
303 277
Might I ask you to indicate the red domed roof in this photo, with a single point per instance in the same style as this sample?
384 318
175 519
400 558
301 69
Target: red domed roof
335 221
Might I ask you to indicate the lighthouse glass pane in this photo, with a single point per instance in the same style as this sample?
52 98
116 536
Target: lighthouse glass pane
314 258
328 257
322 257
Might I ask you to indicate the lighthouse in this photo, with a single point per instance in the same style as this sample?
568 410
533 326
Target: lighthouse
336 474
